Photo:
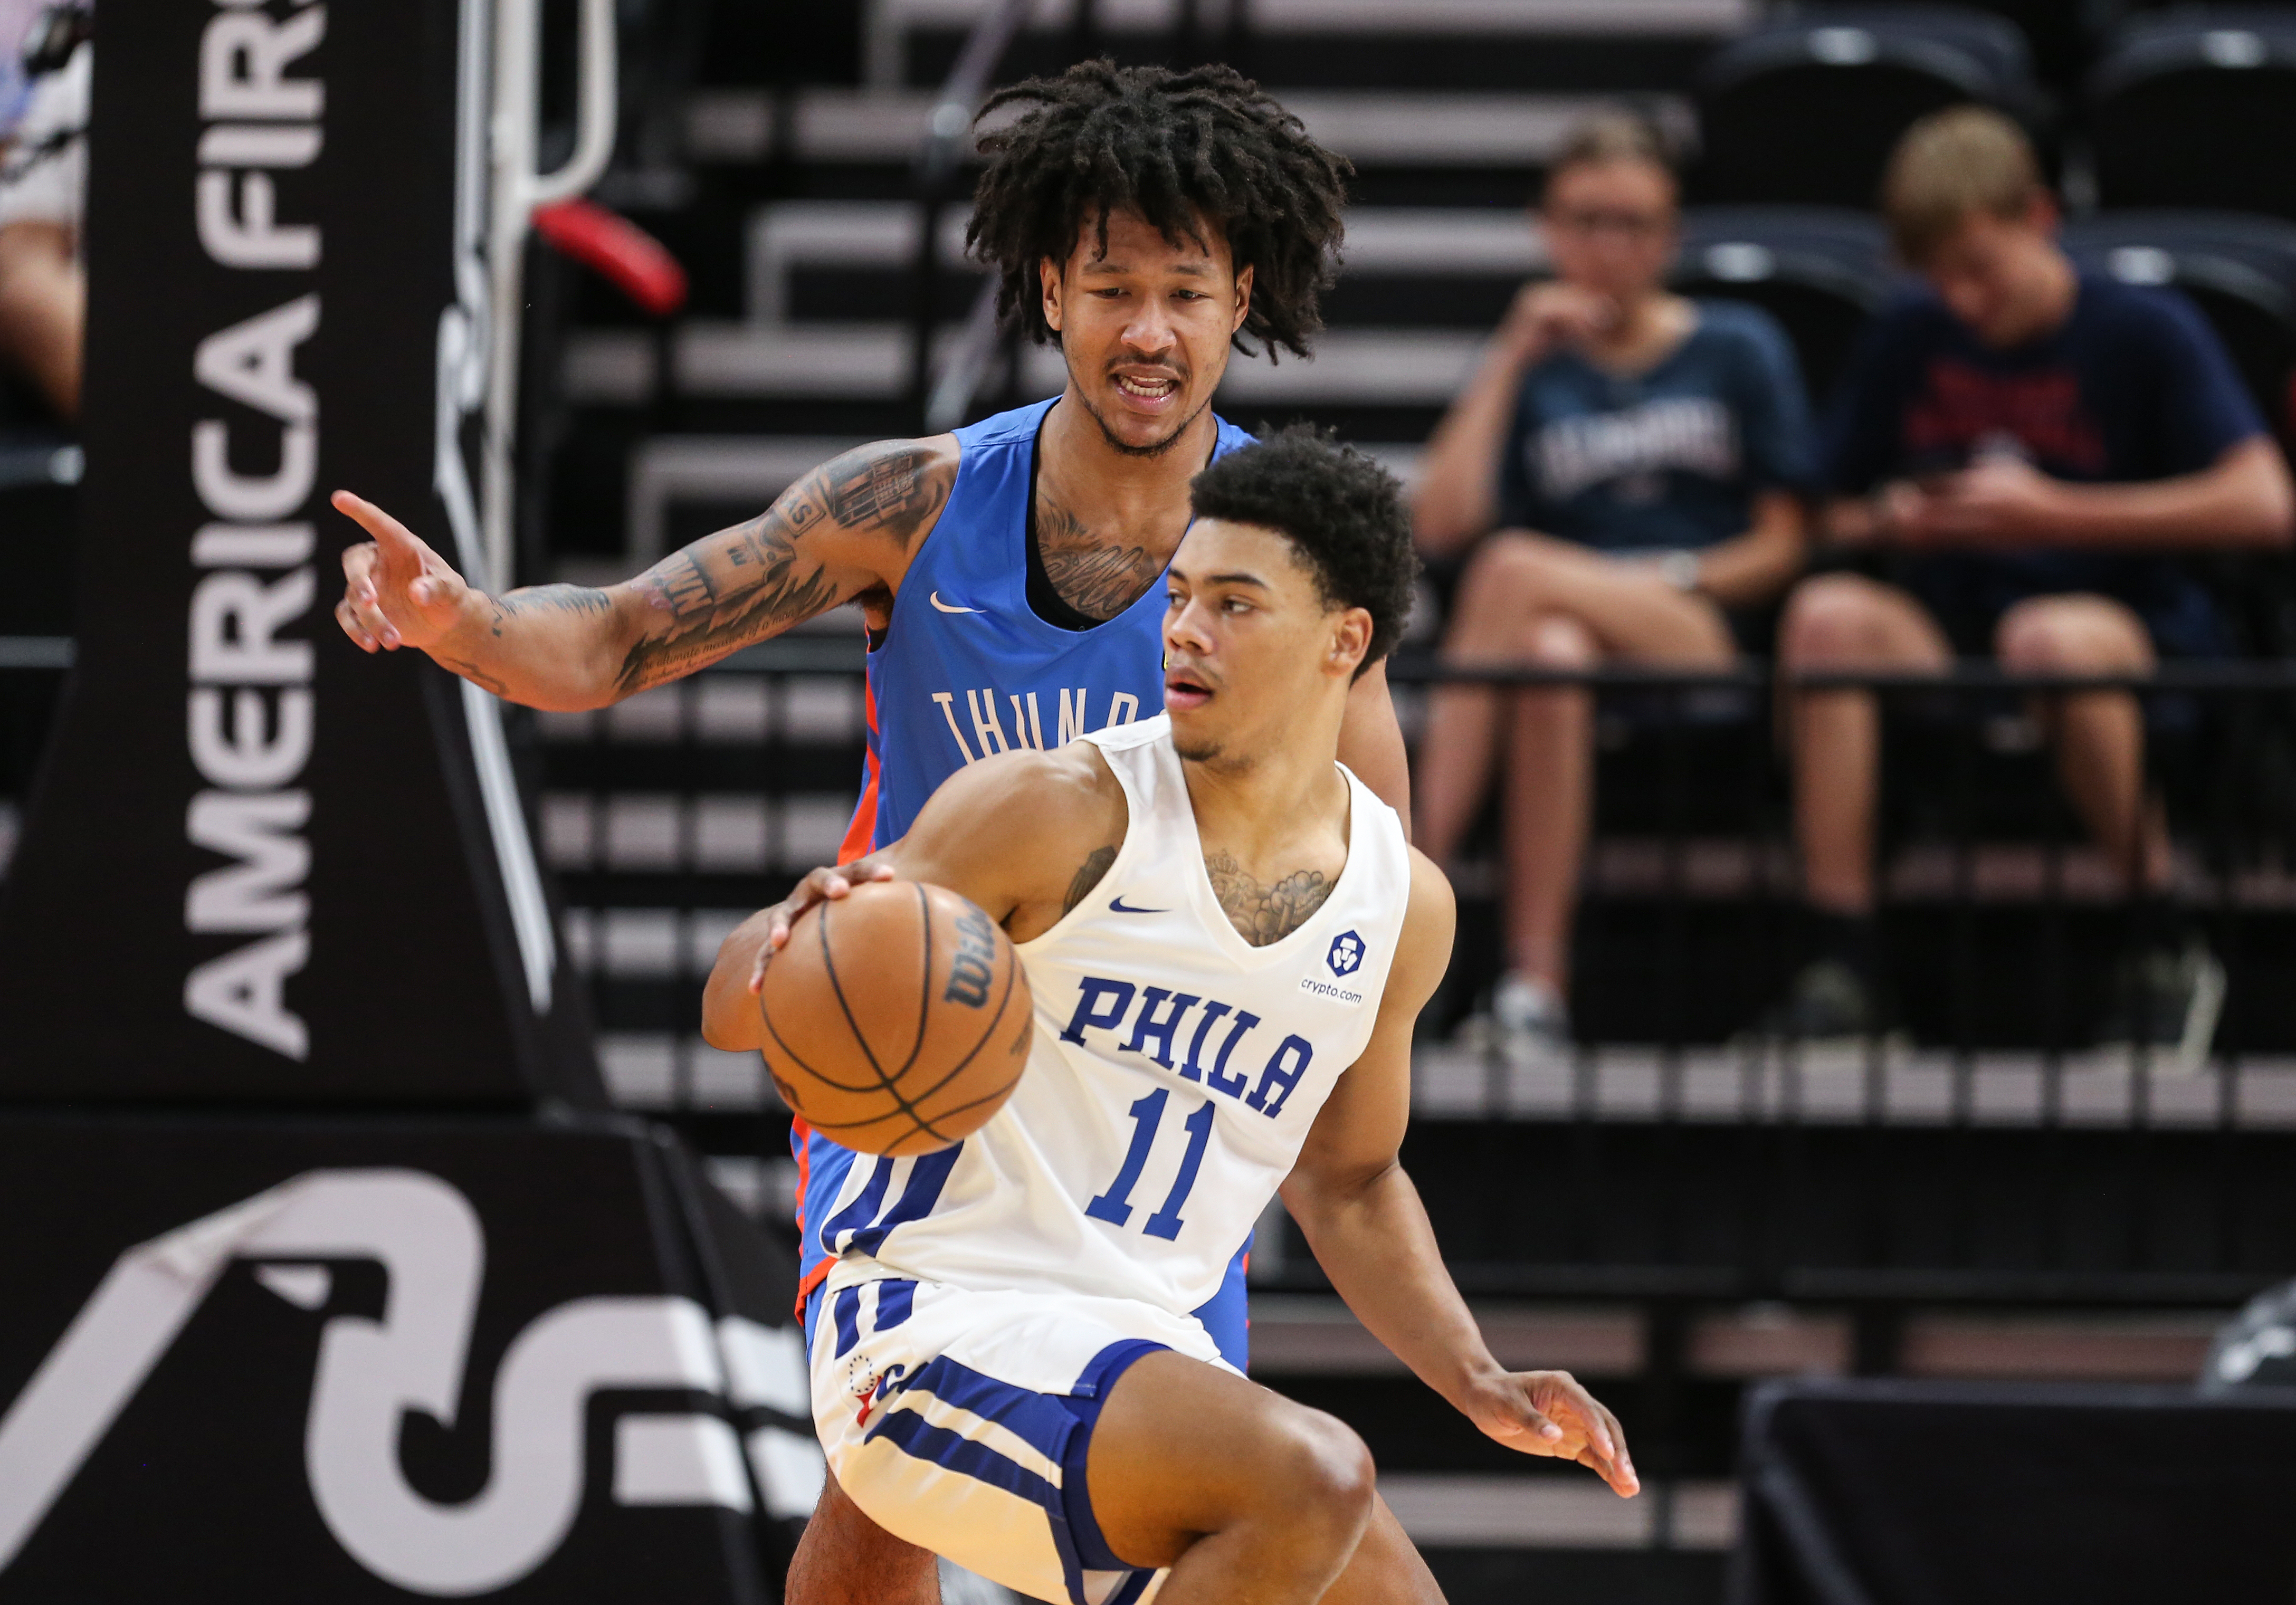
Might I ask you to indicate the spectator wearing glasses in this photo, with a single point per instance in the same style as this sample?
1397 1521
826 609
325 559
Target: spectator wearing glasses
2025 448
1626 467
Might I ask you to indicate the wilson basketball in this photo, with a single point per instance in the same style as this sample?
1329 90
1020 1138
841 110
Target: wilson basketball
897 1019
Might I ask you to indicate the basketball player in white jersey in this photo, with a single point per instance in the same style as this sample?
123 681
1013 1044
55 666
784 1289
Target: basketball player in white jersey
1228 940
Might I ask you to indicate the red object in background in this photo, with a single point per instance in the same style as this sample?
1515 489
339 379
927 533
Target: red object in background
632 258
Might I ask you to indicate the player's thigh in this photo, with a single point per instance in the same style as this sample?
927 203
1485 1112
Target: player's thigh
1848 621
1183 1448
846 1559
1387 1568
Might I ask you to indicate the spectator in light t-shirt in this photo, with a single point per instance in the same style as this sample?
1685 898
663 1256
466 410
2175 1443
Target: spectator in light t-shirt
2031 448
1631 464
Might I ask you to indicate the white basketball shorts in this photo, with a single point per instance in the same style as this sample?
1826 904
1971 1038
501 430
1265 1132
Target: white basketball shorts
960 1422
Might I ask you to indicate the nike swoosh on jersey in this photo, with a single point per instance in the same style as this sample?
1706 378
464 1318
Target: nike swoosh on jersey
946 608
1120 906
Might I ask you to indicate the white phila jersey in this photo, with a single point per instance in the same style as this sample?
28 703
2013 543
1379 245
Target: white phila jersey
1175 1072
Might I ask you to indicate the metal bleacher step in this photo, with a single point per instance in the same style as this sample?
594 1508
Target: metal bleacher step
869 362
829 126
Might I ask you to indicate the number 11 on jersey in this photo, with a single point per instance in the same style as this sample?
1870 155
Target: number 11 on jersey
1115 1205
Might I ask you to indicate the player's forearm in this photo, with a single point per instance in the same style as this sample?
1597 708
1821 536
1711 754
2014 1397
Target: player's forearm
544 646
1371 743
1374 1243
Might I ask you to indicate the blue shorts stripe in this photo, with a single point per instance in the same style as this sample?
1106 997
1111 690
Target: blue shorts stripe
920 1439
927 1176
862 1210
1036 1418
895 1300
845 1304
1084 1405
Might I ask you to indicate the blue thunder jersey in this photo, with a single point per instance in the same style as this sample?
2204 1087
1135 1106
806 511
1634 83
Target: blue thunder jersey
966 669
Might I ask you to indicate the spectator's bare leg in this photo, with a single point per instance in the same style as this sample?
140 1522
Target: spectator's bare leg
43 308
1844 621
2100 735
1549 787
846 1559
1528 599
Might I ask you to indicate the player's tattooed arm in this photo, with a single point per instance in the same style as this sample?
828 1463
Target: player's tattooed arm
845 530
1098 580
1265 914
840 531
1089 875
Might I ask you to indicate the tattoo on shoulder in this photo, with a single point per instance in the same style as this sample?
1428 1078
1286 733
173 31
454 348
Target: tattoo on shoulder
1089 875
1098 580
1264 914
755 580
892 488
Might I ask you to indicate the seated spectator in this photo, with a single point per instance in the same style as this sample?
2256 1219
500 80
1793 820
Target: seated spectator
1639 457
42 185
2028 448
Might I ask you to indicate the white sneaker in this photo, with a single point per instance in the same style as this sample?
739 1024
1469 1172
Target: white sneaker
1530 1020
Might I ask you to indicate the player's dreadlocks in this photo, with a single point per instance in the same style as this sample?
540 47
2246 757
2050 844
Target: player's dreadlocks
1177 148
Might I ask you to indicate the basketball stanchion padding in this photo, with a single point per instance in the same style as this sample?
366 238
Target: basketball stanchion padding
897 1020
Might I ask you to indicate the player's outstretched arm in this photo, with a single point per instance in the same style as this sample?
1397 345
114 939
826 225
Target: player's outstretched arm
1025 835
1363 1218
846 529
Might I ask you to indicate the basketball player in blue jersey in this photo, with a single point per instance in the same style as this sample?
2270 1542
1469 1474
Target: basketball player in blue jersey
1146 221
1228 940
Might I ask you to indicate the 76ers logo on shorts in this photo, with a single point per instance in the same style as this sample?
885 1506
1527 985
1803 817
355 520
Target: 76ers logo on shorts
1347 954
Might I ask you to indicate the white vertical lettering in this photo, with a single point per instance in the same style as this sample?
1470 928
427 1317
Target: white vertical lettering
233 618
256 830
948 701
1036 723
245 992
244 758
245 741
1072 723
1121 708
988 728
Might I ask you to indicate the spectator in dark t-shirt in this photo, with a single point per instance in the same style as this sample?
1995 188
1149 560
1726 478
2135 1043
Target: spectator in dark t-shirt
1641 458
2032 446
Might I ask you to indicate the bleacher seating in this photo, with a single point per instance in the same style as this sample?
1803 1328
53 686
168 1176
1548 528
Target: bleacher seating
2198 109
1863 74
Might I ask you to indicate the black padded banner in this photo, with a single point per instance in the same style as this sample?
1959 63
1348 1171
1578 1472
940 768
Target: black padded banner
1894 1493
261 864
390 1361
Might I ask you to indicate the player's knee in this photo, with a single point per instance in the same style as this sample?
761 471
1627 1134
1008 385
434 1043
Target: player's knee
1832 618
1325 1476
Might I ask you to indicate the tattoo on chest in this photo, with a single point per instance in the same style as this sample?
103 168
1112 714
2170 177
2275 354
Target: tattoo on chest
755 580
1264 914
1098 580
1089 875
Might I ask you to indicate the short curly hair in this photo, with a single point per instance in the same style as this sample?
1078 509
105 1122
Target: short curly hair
1342 512
1184 150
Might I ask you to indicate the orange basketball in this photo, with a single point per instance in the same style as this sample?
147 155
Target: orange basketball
897 1019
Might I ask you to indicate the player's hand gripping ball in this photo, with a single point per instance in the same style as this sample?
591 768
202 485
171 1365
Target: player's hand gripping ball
897 1020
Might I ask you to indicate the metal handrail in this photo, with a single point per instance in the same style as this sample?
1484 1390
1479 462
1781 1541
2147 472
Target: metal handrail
938 162
2258 674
